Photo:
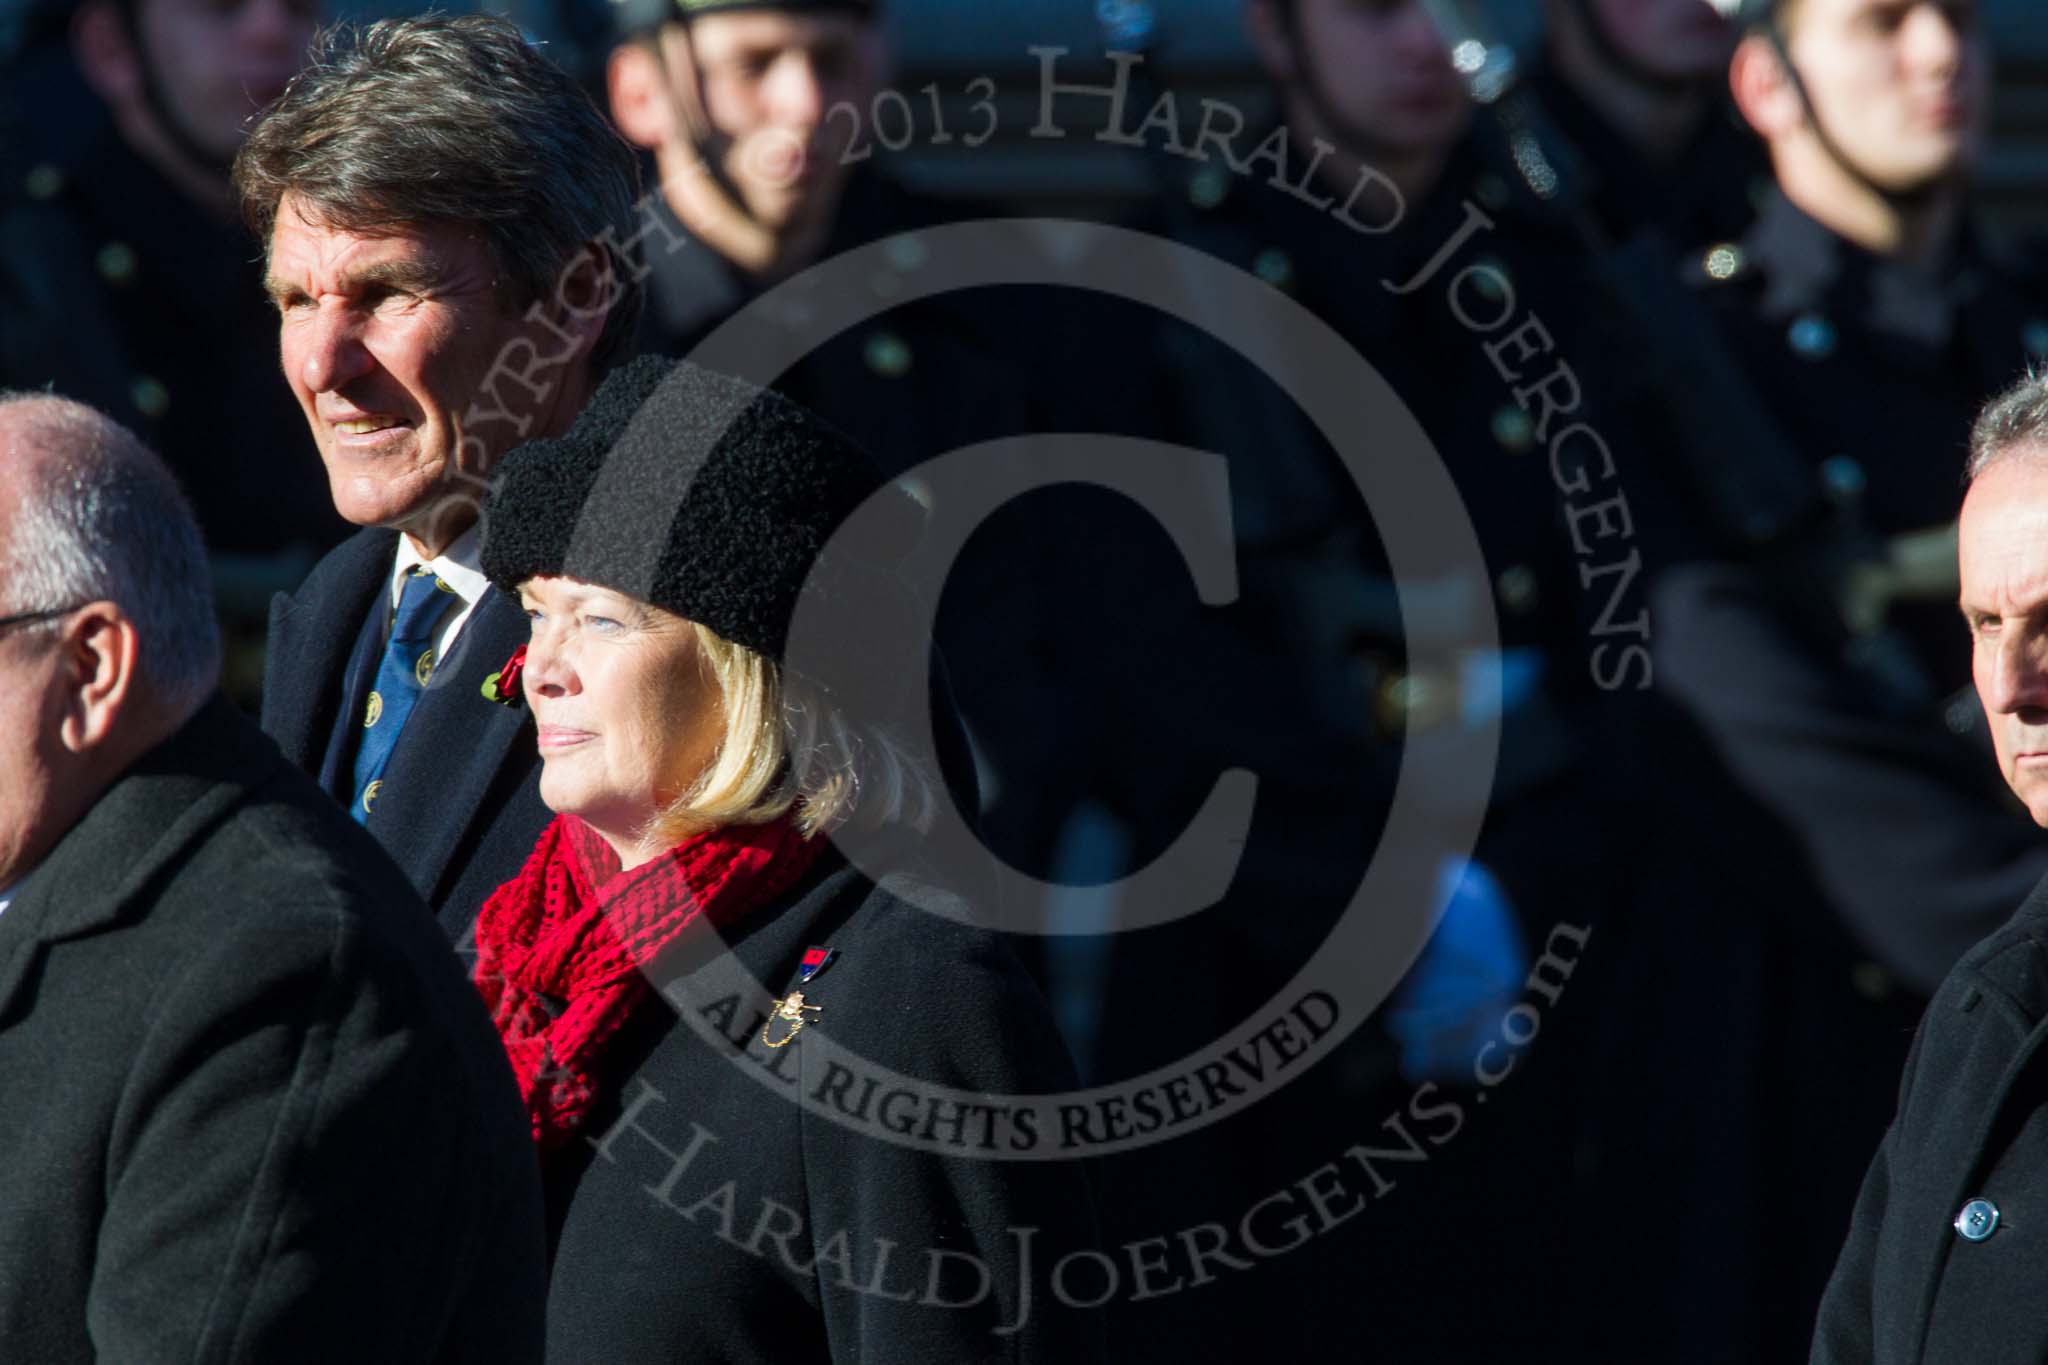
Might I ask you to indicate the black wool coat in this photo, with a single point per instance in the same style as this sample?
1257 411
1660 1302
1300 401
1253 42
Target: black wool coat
461 803
703 1215
1972 1125
252 1110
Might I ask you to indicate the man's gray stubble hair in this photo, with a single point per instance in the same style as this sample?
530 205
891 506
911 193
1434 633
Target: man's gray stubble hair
2012 425
104 520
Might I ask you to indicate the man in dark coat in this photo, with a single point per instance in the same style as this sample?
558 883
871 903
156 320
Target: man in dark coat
1944 1250
256 1114
442 298
1855 844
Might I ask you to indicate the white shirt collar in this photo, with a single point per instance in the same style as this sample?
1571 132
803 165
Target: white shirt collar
458 566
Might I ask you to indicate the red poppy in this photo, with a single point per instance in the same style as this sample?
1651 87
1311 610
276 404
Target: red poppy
503 686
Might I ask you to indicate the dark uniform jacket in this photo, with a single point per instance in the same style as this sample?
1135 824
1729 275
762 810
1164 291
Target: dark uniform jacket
119 291
1314 679
460 807
1943 1260
1707 191
254 1113
708 1217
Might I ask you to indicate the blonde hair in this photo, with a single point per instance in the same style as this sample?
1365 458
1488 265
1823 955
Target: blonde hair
786 746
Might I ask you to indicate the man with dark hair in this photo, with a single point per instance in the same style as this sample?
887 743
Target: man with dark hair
1639 89
449 232
125 281
256 1112
1942 1247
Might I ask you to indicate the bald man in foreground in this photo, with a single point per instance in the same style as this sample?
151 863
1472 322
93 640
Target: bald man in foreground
253 1111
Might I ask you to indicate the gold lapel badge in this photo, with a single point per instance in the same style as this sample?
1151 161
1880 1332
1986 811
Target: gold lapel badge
789 1011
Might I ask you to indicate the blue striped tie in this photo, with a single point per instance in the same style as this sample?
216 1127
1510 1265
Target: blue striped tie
401 677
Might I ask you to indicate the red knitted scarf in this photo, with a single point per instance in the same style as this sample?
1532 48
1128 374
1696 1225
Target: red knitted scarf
561 948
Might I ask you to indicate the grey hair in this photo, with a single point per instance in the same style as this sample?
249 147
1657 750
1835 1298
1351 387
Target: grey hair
102 519
2014 424
455 119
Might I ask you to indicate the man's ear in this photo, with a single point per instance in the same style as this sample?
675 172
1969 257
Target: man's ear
1270 40
105 52
637 86
98 652
1763 89
583 298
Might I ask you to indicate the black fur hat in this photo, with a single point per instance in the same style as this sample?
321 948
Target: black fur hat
702 494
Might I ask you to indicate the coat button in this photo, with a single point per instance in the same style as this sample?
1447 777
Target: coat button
1871 981
116 262
1843 481
1978 1220
44 182
151 398
1514 429
1275 267
887 354
1518 588
1208 187
906 252
1811 336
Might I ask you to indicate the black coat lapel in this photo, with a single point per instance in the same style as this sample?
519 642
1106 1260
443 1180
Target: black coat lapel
454 744
337 764
1987 1126
311 635
142 823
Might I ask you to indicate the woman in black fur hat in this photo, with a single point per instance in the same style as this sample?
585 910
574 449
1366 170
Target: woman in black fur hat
766 1091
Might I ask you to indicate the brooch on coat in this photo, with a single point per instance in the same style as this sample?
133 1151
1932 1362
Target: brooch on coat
502 687
789 1011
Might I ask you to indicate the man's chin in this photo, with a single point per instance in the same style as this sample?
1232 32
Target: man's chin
2034 796
1939 169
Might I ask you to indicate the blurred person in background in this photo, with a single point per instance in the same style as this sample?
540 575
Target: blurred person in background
1370 188
1639 89
447 221
126 281
758 181
730 98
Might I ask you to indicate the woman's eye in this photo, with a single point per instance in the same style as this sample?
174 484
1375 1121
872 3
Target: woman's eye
604 623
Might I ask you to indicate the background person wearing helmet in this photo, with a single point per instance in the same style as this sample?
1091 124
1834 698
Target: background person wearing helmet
759 179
